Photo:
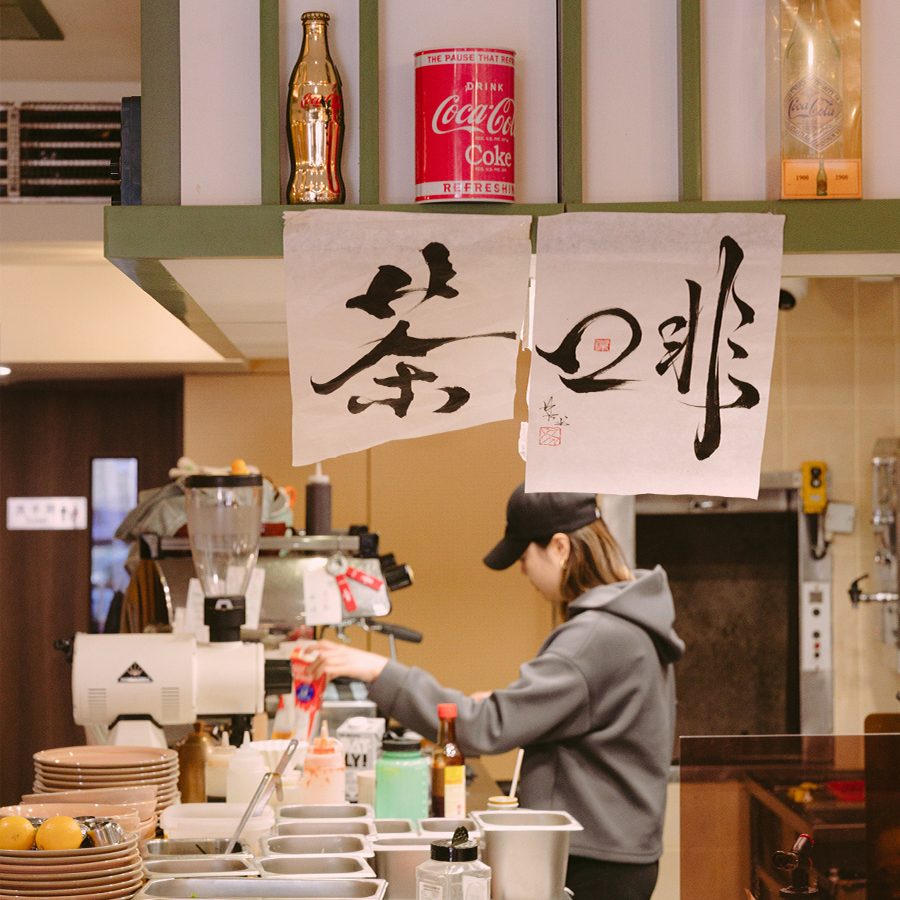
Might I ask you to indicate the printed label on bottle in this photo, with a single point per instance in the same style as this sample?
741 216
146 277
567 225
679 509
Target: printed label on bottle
813 112
429 892
475 888
454 792
836 179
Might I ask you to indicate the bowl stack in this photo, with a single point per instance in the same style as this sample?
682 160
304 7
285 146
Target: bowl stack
76 768
140 799
112 872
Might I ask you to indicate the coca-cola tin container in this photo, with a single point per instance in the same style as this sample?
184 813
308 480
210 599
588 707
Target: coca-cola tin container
465 124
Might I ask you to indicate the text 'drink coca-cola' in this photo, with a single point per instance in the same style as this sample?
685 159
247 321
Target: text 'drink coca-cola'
465 124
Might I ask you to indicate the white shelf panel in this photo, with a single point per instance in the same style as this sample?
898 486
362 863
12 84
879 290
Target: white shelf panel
881 98
630 101
220 147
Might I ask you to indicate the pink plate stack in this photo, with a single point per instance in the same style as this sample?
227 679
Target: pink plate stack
113 872
74 768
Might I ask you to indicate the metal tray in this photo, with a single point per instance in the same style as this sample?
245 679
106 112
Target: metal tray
265 889
437 828
317 845
396 859
364 827
161 847
314 867
200 867
395 826
325 811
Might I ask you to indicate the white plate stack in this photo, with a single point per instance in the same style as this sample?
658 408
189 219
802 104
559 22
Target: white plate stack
73 768
112 872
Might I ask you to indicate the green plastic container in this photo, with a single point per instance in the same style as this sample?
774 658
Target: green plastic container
402 780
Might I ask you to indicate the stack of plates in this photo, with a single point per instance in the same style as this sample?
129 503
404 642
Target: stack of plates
93 873
71 768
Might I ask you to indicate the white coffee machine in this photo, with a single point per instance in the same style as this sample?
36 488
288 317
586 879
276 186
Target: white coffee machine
134 684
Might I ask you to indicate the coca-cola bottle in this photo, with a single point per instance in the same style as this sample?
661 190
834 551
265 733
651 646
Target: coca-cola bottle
812 106
315 119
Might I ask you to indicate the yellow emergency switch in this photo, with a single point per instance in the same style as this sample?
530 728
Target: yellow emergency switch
813 491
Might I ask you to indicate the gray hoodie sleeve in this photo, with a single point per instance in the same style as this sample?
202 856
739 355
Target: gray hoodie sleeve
549 699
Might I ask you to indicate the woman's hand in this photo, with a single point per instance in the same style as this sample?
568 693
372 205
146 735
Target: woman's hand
335 660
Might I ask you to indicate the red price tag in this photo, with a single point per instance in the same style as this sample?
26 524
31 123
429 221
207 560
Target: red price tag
346 593
364 578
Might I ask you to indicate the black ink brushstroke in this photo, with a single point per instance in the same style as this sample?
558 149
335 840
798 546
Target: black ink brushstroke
564 356
406 375
748 397
440 271
398 342
708 443
676 348
383 289
457 397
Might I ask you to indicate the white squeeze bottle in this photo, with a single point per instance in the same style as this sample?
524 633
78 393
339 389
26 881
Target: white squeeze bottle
324 772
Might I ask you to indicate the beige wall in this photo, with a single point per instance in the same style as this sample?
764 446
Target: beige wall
438 502
835 389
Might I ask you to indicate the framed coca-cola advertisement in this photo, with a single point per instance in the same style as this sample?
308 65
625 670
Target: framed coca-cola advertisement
821 156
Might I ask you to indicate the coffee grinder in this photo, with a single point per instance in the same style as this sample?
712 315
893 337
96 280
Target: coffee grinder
224 513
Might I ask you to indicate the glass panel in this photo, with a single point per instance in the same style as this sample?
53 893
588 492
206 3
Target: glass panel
841 791
114 489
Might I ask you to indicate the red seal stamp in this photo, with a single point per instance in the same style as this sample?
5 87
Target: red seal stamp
550 436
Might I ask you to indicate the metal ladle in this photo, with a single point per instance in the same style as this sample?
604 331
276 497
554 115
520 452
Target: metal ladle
261 796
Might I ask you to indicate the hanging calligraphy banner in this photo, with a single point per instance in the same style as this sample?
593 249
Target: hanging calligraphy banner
653 342
400 324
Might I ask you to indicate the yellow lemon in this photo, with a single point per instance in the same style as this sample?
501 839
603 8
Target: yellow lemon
59 833
16 833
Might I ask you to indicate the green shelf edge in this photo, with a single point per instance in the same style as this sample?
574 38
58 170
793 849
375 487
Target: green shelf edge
184 232
270 118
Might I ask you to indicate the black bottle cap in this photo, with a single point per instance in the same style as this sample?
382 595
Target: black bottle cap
458 849
400 745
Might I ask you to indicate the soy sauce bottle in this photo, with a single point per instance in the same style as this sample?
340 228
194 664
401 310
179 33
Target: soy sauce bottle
448 768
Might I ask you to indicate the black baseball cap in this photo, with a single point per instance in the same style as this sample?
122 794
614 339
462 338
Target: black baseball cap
531 517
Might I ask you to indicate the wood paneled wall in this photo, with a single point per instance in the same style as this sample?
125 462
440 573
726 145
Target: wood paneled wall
49 432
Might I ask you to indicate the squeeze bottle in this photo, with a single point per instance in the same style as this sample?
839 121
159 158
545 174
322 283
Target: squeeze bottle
318 503
324 772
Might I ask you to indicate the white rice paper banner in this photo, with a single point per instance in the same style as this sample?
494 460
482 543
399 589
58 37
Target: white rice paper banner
654 336
400 324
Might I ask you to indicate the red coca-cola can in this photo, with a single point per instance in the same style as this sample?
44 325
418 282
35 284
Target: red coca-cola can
465 124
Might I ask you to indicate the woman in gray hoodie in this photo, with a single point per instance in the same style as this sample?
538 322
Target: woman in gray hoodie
594 710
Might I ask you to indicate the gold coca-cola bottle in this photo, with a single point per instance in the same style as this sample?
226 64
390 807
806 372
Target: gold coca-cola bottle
315 119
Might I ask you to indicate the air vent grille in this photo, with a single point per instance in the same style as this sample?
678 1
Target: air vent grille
171 703
59 151
96 704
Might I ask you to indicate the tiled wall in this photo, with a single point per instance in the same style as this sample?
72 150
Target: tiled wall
835 389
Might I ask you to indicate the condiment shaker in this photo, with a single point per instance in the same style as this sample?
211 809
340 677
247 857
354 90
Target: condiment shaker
454 871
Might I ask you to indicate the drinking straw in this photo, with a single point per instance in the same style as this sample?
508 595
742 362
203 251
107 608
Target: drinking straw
516 771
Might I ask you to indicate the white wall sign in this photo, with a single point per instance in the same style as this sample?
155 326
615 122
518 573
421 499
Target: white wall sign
46 513
400 324
654 337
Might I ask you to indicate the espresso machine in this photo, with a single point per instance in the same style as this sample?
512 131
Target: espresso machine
135 684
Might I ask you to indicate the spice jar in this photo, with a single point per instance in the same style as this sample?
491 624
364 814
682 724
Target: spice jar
454 870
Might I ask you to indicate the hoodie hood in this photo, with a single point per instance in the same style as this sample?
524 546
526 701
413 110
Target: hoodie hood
646 601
